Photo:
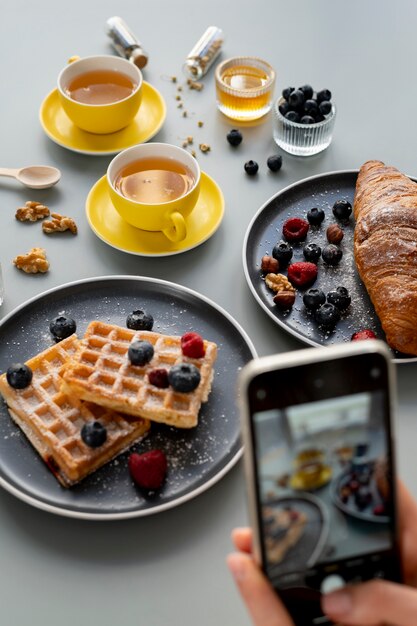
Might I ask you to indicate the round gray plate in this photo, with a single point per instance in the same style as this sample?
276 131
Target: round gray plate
265 230
197 458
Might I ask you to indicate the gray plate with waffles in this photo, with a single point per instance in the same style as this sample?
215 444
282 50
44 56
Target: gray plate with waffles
197 458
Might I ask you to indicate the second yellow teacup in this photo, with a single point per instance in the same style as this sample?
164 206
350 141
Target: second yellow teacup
154 187
100 94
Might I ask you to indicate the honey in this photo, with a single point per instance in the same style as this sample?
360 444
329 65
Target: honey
244 88
100 87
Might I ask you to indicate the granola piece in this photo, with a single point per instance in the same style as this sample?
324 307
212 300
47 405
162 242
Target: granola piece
59 223
204 147
278 282
193 84
32 211
33 262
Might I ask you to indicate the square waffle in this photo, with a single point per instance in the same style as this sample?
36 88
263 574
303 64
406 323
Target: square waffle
52 420
101 372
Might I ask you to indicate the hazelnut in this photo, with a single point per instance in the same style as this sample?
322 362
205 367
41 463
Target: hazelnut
334 233
284 299
269 264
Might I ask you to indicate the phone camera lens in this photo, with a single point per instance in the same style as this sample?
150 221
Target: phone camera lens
375 372
261 394
318 383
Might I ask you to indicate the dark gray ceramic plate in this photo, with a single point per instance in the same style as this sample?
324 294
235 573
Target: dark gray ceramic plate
265 230
197 458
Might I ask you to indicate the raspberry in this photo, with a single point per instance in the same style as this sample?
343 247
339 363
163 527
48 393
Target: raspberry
363 334
295 229
159 378
149 469
302 274
192 345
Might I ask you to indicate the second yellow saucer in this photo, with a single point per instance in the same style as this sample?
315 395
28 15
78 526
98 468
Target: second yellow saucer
61 130
107 224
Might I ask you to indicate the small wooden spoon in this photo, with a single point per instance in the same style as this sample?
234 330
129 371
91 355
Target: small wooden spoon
34 176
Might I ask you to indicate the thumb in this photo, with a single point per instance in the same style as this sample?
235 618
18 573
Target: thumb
372 604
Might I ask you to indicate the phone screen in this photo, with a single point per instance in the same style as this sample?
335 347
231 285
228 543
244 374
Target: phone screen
323 451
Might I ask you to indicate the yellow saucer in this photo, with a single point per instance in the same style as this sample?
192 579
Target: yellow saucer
107 224
61 130
297 481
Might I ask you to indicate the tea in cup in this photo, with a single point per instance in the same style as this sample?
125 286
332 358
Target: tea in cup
100 94
154 187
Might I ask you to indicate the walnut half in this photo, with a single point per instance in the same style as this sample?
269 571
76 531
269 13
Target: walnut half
278 282
33 262
59 223
32 211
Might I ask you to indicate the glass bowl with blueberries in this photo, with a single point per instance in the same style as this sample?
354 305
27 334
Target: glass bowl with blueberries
304 120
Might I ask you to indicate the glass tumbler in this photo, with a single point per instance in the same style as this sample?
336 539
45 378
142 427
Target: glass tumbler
303 139
244 88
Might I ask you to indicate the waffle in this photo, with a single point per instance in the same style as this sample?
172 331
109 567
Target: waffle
284 531
52 420
101 372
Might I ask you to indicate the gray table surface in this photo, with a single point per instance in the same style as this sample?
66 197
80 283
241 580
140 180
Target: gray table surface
169 568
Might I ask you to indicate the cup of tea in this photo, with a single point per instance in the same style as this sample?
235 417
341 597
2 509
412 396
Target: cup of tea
154 186
100 94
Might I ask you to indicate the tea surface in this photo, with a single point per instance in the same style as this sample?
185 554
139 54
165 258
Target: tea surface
100 87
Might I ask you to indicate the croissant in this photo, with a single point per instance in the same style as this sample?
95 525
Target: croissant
385 249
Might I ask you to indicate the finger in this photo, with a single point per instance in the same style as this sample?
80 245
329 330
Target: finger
261 600
372 604
407 508
407 513
242 539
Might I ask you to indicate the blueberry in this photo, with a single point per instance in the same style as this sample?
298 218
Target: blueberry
184 377
251 167
286 92
324 94
315 216
140 352
339 297
93 434
307 91
139 320
311 107
282 252
325 107
19 375
319 117
296 98
234 137
62 327
292 116
327 315
274 162
307 119
313 298
283 108
331 254
342 210
312 252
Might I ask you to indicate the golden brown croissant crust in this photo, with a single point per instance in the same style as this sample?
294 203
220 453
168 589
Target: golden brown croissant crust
385 248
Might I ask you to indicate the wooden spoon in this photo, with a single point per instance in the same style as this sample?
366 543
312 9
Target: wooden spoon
34 176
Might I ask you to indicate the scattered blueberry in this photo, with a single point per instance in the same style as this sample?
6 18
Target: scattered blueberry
274 162
339 297
315 216
307 119
342 210
324 94
282 252
312 252
234 137
313 299
325 107
94 434
184 377
139 320
19 375
251 168
62 327
292 116
286 92
307 91
327 315
296 98
140 352
331 254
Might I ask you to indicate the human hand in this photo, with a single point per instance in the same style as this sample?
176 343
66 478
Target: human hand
373 603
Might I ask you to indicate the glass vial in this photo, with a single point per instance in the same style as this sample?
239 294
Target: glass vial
205 51
125 43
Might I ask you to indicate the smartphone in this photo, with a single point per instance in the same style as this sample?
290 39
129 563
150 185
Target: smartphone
319 458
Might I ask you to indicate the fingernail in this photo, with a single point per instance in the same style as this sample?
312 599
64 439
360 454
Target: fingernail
337 603
236 565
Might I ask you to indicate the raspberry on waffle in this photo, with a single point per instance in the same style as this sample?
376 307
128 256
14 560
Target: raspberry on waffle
52 420
100 371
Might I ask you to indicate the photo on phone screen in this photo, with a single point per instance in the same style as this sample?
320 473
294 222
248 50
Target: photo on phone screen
323 470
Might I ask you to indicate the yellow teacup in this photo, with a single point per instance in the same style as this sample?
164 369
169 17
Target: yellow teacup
166 216
96 117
